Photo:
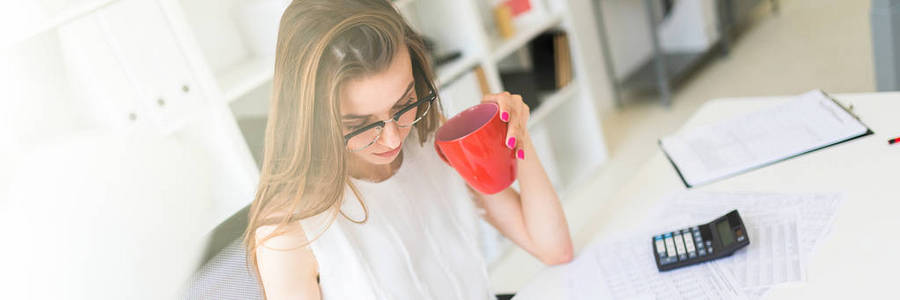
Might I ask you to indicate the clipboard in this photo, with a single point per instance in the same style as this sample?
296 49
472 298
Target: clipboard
848 110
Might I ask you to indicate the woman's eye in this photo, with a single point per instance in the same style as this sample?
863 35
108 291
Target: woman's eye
410 100
352 127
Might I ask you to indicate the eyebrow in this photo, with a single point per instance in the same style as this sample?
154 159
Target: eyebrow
358 117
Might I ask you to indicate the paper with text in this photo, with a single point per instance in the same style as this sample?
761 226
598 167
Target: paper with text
736 145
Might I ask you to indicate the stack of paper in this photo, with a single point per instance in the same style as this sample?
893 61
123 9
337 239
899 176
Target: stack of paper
625 269
783 231
808 122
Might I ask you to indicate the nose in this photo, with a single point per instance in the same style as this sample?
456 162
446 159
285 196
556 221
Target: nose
390 135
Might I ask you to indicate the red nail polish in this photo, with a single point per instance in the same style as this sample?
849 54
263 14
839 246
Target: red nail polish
511 142
504 116
521 154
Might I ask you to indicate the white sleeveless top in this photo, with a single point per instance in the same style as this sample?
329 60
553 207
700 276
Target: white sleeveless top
420 241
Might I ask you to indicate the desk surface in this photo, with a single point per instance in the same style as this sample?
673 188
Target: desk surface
859 259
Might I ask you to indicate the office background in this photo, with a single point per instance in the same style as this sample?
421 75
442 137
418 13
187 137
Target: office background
192 116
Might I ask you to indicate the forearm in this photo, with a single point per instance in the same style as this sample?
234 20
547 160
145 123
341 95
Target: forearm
542 212
533 217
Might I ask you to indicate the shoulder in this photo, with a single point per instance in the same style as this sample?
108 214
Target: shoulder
286 264
290 235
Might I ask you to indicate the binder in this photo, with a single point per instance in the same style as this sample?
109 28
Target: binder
686 168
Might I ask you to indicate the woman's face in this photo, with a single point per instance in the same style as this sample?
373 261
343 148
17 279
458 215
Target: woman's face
375 98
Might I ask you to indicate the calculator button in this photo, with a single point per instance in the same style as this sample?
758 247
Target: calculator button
682 257
689 245
660 246
709 249
695 229
702 252
670 245
679 244
709 243
692 255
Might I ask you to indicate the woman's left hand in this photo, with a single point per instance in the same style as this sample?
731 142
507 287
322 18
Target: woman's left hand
515 112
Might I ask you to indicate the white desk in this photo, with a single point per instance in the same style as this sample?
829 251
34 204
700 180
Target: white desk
859 259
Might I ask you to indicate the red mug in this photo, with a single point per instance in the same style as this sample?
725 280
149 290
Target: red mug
472 142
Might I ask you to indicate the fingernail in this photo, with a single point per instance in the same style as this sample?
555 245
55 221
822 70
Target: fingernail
511 142
521 154
504 116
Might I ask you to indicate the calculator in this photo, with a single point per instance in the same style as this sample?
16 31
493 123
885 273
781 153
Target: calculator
701 243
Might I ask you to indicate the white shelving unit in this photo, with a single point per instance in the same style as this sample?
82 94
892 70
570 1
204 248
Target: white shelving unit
551 102
77 69
450 71
501 48
228 81
37 19
240 79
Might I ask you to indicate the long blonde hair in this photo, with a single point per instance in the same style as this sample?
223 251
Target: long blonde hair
321 45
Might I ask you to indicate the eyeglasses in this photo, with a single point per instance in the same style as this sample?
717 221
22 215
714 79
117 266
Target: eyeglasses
404 118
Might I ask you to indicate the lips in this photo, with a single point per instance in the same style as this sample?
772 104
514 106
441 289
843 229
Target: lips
390 153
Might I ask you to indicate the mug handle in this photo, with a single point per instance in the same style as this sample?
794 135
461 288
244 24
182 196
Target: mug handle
441 154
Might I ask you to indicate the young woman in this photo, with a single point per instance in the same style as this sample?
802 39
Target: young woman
353 202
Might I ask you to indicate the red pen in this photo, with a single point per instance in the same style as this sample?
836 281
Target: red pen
894 141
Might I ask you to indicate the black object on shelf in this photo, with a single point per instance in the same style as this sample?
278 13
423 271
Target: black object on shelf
524 83
542 59
550 68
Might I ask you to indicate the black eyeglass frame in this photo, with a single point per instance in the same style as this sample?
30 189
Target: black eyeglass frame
432 95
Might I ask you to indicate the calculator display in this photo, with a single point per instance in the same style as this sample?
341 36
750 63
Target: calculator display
701 243
725 234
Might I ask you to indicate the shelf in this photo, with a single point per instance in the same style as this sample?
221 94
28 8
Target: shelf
245 76
66 16
504 47
456 68
553 101
677 65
